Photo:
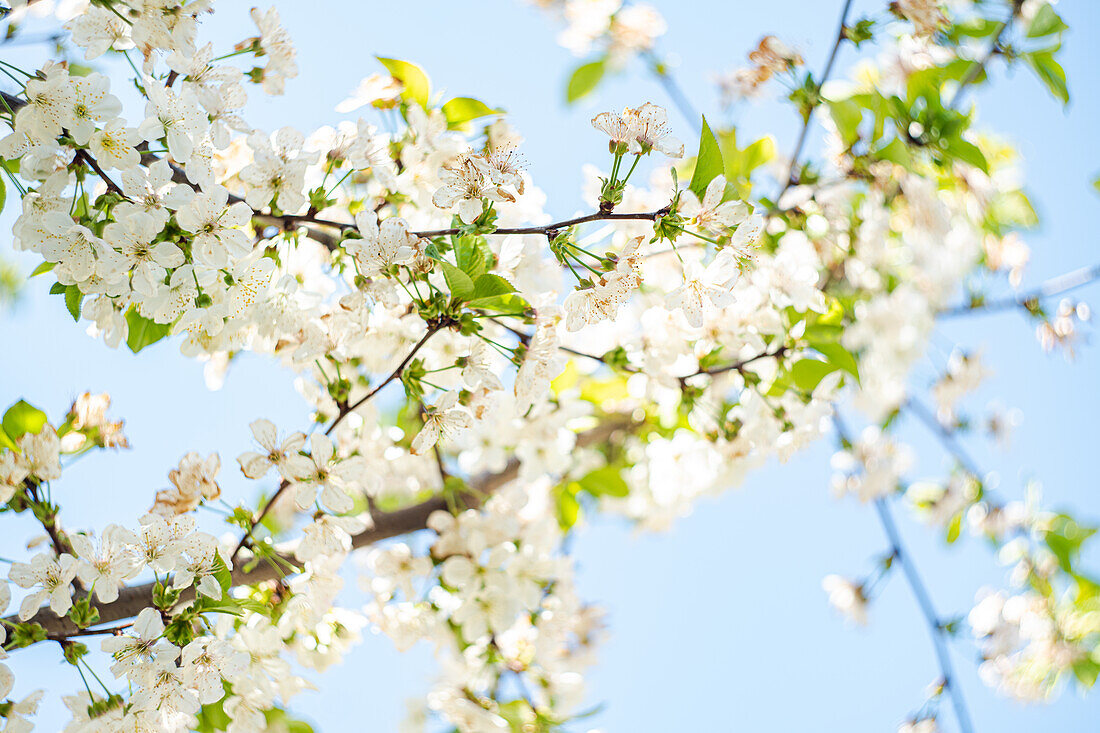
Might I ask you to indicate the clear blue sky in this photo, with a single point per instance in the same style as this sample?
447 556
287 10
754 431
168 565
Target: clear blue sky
720 624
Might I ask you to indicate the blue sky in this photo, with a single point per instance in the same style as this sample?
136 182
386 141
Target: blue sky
720 623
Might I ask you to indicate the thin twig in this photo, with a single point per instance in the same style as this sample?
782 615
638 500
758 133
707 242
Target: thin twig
936 627
83 155
393 375
1055 286
804 132
979 66
287 219
946 436
675 93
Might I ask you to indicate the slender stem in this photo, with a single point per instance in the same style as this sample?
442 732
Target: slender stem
288 219
920 593
945 435
393 375
111 185
675 93
804 132
924 601
979 66
1055 286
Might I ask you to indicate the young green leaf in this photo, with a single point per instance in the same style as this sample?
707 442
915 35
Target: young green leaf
461 110
462 287
508 303
1045 22
21 418
73 299
1049 71
142 332
417 87
708 163
489 285
584 80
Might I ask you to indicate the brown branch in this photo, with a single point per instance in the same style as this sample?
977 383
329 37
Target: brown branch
246 539
432 330
738 366
345 410
286 220
133 599
82 155
936 627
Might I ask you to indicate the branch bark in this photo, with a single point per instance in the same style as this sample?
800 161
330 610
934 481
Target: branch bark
133 599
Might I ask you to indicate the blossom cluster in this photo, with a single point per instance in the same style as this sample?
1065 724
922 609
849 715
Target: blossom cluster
632 359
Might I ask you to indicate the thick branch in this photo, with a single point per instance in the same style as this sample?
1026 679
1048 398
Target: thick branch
132 600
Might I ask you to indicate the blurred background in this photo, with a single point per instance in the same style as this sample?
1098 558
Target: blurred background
720 623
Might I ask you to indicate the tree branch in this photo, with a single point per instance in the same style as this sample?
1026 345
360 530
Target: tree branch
1055 286
83 155
133 599
924 601
928 610
804 132
979 66
672 88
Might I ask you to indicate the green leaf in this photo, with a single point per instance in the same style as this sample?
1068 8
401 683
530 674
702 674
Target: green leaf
967 152
472 255
73 299
584 80
489 285
462 287
507 303
1013 209
142 332
847 114
708 163
22 418
954 529
1086 670
42 268
895 151
212 718
417 87
808 373
1050 72
57 289
3 193
569 509
838 356
605 481
461 110
1045 22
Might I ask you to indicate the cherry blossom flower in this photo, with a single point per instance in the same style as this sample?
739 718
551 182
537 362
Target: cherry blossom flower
442 421
51 577
466 182
283 456
108 564
380 246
